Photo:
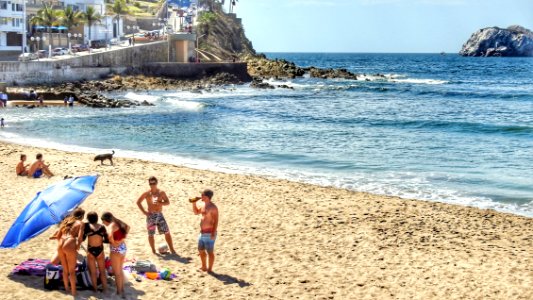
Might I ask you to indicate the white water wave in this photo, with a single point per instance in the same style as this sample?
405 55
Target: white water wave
402 184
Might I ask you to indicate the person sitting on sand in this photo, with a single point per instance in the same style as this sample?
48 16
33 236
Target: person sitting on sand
155 200
39 167
96 236
22 168
208 229
117 231
70 237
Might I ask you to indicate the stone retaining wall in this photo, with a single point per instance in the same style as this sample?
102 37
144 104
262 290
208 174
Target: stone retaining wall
194 70
93 66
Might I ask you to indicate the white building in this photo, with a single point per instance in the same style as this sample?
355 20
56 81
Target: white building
11 25
106 29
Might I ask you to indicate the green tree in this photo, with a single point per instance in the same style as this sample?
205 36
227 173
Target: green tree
70 18
91 16
46 16
119 8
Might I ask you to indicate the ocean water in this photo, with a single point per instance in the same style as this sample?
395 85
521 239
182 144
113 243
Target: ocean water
437 128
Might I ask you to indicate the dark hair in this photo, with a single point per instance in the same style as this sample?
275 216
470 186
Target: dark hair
208 193
22 156
152 179
108 217
78 213
38 156
92 217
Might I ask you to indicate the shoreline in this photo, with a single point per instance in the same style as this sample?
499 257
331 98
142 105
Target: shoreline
286 239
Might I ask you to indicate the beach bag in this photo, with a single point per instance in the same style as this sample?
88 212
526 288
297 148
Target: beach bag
52 277
143 266
83 277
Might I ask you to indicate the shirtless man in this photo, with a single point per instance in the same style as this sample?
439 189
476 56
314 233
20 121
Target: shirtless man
22 168
155 199
208 229
39 167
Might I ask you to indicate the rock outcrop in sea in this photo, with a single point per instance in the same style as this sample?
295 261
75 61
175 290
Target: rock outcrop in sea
495 41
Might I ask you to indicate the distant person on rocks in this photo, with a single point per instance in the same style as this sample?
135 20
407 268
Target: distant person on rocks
22 167
33 95
38 168
71 101
208 229
155 200
4 98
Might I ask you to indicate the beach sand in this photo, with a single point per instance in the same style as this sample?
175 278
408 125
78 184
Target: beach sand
284 240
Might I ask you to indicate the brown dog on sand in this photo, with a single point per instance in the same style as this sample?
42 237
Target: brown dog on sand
102 157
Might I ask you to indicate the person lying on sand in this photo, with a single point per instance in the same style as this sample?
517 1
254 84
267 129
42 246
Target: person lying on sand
208 229
38 168
155 200
22 168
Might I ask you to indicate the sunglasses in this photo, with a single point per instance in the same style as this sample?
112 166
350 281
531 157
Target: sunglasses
152 183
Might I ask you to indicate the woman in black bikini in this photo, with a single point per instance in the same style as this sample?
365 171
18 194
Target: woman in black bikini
96 237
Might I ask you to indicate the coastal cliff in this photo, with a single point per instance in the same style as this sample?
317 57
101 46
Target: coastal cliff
495 41
221 37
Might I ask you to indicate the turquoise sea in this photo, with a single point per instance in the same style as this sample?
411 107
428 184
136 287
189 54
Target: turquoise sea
437 128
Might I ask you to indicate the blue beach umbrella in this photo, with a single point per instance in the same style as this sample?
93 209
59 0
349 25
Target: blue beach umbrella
62 28
49 207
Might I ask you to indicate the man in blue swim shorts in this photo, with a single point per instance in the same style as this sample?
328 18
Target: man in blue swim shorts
38 168
208 229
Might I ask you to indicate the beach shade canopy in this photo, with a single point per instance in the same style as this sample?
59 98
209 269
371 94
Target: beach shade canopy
61 28
49 207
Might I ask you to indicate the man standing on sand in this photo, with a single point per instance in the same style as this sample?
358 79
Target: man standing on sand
208 229
39 167
155 200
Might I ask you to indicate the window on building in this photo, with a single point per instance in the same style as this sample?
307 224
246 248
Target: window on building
3 4
3 21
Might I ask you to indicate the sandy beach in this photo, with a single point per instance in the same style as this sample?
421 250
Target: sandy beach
284 240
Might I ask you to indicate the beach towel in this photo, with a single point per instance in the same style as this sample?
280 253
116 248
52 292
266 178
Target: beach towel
32 267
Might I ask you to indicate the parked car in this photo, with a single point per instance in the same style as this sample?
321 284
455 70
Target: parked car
42 53
59 51
28 56
98 44
80 48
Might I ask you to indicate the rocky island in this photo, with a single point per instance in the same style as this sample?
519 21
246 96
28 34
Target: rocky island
495 41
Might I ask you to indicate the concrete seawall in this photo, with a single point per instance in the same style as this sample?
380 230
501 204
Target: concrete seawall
148 59
194 70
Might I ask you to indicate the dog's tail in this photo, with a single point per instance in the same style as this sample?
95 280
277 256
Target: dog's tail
113 152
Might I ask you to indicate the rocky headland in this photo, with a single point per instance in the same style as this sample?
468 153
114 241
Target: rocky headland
95 93
495 41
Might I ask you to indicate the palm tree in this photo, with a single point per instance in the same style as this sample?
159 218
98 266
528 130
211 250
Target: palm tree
91 16
46 16
70 18
119 8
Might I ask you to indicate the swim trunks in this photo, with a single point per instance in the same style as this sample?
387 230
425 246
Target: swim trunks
120 249
38 173
154 220
206 243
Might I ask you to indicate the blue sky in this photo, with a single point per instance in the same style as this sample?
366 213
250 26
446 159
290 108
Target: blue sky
412 26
